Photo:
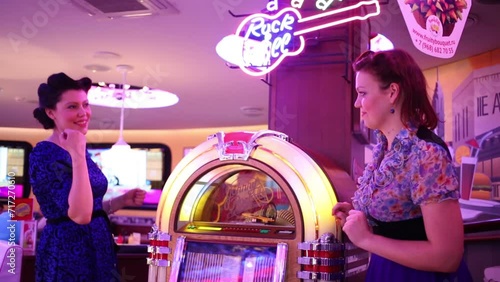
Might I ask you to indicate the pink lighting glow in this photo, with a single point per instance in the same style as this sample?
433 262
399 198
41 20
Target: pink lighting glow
11 191
261 42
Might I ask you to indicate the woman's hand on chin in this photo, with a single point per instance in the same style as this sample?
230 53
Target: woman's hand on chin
73 141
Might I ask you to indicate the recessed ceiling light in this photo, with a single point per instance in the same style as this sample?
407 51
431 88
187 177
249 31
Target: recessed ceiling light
97 68
106 55
252 111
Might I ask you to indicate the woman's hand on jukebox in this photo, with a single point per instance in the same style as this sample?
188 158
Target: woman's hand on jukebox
341 211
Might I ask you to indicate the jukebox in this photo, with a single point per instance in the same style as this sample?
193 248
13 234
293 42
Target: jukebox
249 206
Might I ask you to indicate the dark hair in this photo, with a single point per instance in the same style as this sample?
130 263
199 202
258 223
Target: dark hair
49 94
399 67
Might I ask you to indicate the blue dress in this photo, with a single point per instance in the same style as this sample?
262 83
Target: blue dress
68 251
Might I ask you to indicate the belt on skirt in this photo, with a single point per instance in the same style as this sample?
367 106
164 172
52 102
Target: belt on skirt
95 214
410 229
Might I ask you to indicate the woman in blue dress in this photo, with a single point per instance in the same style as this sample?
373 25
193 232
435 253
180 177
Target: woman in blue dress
405 211
76 244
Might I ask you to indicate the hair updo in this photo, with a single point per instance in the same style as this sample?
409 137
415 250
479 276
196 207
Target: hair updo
49 94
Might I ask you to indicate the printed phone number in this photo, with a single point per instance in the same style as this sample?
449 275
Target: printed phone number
437 49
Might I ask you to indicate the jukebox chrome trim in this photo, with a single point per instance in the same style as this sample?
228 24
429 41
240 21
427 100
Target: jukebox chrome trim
177 261
320 276
280 263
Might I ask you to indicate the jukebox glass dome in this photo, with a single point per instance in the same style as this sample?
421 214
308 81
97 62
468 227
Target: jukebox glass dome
235 197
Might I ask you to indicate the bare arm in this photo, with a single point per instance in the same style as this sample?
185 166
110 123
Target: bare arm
441 252
80 198
131 198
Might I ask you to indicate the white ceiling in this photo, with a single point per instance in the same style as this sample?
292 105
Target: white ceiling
174 52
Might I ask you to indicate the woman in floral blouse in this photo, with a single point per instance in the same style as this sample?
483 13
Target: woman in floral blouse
405 211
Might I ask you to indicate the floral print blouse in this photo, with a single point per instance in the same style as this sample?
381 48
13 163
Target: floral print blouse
398 181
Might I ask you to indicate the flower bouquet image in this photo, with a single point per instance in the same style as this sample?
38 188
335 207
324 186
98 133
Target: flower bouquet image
447 12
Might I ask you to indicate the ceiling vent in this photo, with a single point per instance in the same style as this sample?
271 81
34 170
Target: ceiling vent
113 9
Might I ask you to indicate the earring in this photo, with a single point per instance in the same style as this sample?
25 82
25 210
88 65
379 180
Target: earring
392 110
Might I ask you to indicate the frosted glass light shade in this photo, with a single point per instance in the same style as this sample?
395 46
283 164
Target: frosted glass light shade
107 95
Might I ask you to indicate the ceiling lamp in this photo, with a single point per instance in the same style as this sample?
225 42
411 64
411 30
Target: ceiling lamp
121 157
110 95
135 97
121 144
126 96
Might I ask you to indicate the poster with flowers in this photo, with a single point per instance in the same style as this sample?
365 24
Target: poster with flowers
435 26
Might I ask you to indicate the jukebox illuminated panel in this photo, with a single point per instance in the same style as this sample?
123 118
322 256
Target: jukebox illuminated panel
236 200
237 207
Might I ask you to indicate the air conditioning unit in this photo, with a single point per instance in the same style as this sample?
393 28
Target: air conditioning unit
113 9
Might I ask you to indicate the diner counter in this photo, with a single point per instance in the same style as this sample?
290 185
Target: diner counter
131 264
481 218
482 235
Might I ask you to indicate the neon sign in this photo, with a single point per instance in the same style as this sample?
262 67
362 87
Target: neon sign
261 41
320 4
